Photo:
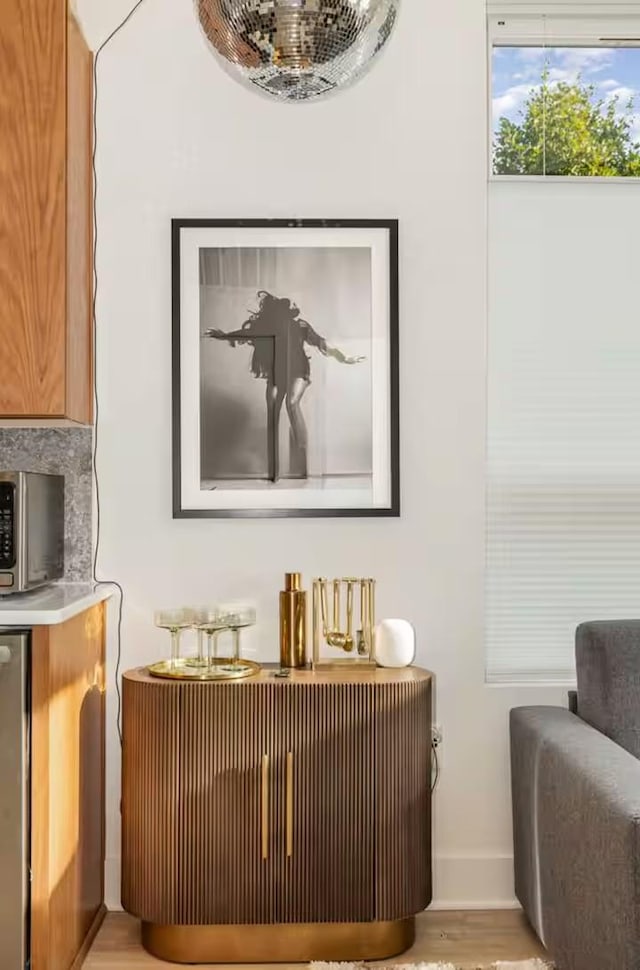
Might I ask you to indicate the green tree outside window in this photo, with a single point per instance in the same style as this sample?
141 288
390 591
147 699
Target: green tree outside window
565 130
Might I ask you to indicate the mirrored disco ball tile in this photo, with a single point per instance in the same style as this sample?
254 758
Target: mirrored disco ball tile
295 50
305 87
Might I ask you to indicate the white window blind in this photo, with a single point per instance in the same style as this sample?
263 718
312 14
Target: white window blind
563 516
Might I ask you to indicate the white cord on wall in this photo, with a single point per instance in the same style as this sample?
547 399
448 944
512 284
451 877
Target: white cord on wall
96 401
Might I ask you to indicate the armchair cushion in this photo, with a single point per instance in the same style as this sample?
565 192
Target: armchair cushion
608 669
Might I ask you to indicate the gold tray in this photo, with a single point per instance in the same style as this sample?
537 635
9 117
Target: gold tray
185 669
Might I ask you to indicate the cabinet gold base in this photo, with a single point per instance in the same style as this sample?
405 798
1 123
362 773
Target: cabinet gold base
279 942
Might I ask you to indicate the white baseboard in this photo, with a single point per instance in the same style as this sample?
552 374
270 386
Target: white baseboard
473 882
459 882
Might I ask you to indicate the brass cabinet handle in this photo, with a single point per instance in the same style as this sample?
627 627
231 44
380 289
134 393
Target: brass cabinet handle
265 806
289 804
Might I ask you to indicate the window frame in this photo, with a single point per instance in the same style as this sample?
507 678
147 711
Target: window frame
547 29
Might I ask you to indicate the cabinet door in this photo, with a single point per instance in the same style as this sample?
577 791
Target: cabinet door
32 207
324 805
46 227
67 809
199 801
227 782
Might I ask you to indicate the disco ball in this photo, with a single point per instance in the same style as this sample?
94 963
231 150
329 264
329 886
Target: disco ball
295 50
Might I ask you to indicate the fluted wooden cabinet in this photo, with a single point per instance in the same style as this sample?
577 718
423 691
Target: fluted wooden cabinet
299 808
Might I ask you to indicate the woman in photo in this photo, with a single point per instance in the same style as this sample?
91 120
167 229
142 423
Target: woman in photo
278 336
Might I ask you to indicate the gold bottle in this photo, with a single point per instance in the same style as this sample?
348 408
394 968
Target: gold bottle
293 622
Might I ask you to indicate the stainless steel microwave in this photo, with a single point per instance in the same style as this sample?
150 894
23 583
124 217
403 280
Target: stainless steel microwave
31 530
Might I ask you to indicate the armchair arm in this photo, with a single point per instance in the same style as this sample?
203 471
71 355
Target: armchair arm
576 817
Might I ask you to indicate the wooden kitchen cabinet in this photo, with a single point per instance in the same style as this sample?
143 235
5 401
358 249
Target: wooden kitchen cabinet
67 789
277 820
45 213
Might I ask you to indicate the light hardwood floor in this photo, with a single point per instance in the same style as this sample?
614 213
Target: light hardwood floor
468 939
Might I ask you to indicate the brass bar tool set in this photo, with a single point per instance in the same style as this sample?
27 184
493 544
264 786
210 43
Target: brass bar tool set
334 624
343 623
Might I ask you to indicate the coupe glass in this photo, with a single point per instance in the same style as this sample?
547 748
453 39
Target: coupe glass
175 621
236 616
208 620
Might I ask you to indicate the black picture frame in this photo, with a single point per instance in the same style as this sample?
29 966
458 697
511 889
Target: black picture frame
392 508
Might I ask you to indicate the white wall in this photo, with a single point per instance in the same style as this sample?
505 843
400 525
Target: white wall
177 137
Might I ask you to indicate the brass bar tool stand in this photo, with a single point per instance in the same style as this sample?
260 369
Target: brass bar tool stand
334 628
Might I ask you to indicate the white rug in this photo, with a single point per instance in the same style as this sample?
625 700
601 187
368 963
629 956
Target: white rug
519 965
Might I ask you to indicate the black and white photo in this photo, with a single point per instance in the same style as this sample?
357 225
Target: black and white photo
285 368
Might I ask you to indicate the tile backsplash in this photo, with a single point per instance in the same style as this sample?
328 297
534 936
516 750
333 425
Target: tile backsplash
62 451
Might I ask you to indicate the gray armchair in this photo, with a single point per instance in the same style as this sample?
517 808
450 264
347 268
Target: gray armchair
576 807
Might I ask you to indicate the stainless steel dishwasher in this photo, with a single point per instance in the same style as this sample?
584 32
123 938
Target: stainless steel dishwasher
15 787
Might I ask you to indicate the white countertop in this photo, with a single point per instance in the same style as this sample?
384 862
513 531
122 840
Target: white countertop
51 604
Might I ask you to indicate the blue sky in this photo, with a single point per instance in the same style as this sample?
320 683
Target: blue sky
613 71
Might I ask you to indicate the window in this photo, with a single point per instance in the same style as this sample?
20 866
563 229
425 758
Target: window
565 98
563 461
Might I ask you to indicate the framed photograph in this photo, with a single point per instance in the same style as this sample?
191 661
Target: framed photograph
285 368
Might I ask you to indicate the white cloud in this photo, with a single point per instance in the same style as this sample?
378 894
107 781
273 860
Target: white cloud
608 84
585 60
509 103
623 95
566 62
572 63
558 75
529 54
